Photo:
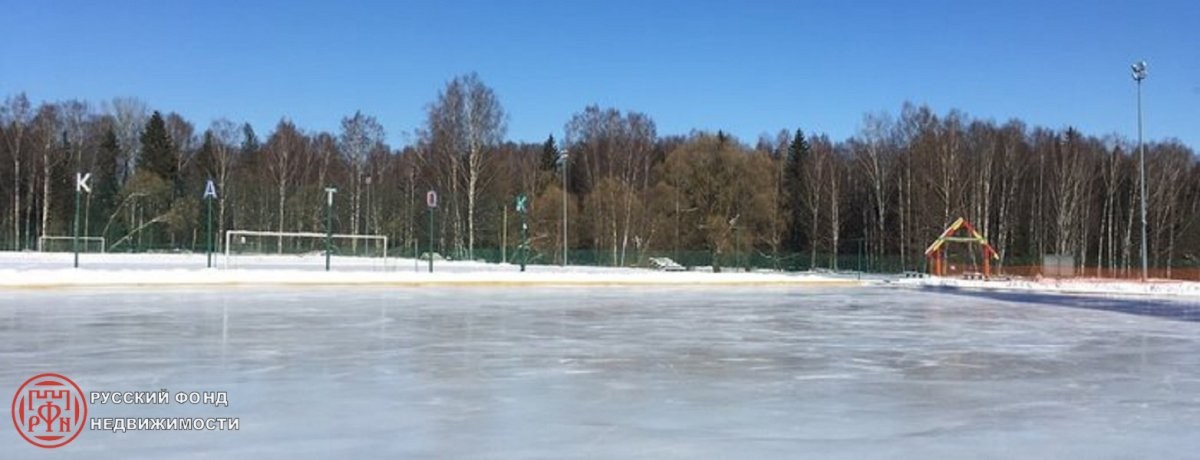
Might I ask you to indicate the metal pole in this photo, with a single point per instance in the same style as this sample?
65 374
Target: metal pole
369 208
1142 154
328 231
430 253
329 191
524 241
504 237
565 159
523 244
210 233
75 232
141 217
1139 73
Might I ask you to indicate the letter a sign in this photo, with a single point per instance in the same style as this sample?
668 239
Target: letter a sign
431 199
210 190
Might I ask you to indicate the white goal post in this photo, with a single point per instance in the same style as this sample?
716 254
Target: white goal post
83 240
320 237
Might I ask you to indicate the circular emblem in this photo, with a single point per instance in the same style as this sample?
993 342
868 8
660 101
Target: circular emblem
49 410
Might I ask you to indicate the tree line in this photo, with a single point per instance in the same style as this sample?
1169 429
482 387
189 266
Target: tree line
789 200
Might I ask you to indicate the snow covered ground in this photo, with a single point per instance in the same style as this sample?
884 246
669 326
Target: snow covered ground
41 270
603 372
1081 286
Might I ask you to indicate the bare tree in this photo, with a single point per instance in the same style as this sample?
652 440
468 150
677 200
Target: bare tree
361 134
915 132
74 118
1010 169
946 180
282 152
49 141
183 137
875 160
823 148
813 192
225 137
1166 169
608 145
16 117
776 152
1071 173
129 116
464 123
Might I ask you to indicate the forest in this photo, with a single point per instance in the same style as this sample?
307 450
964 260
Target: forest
792 200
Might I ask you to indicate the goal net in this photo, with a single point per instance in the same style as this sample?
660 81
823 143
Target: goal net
303 250
64 244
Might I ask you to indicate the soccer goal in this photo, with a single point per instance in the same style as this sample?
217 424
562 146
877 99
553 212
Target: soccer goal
47 243
303 250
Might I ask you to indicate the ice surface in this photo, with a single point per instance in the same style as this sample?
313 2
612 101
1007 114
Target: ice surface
650 373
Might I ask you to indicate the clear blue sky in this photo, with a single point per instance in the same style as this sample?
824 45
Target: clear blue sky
748 67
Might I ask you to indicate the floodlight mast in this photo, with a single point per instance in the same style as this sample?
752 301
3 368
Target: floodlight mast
565 161
1139 73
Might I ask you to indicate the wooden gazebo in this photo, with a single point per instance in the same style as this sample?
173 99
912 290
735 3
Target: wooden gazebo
936 253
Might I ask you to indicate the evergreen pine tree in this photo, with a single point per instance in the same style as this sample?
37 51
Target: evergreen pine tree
204 157
549 154
106 186
158 153
793 177
250 144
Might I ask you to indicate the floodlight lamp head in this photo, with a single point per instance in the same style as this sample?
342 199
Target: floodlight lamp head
1139 70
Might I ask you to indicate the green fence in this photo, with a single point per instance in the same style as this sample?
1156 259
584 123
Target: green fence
694 259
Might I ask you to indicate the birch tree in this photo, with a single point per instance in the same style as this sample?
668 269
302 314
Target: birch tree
875 161
608 145
282 154
129 117
16 116
361 134
224 136
464 124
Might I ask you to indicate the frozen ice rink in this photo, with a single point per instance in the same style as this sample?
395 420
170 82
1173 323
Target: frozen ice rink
629 373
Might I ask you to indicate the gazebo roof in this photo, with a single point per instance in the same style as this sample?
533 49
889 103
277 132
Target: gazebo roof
974 237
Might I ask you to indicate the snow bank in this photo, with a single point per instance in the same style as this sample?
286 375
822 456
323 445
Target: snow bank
38 270
1089 286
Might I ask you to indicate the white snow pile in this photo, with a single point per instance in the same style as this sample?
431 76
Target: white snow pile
45 270
1091 286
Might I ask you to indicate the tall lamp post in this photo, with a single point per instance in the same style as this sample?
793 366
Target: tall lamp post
1139 74
564 159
